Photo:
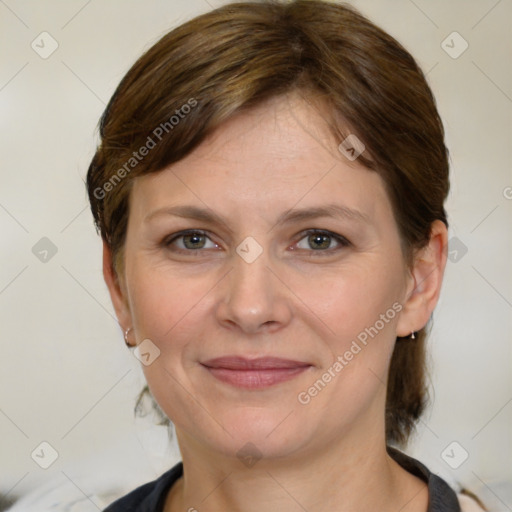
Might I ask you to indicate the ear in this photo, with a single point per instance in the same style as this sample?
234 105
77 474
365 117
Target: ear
116 288
425 280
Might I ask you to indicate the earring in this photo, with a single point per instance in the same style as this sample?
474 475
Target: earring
413 335
126 333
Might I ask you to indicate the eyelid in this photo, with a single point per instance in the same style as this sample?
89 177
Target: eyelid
340 239
168 240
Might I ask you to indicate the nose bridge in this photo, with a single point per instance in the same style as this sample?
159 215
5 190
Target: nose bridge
250 284
253 295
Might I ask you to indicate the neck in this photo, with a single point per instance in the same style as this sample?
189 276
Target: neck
345 476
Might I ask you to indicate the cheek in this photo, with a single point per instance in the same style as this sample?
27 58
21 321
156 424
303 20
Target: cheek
360 308
169 310
353 299
166 306
360 305
175 310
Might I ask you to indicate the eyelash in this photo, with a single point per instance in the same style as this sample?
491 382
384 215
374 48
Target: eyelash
342 241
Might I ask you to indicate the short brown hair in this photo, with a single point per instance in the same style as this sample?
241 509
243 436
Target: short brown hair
235 57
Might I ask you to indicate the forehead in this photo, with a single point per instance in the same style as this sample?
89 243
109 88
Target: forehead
266 159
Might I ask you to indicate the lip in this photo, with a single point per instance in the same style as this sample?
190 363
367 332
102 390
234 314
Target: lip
256 373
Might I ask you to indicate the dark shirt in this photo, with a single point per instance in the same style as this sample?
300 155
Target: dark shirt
151 497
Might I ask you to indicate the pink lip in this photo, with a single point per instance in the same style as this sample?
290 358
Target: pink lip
254 373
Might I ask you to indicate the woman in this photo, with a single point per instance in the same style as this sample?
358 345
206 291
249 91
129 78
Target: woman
270 189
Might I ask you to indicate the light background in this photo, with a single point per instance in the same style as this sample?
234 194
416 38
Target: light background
65 374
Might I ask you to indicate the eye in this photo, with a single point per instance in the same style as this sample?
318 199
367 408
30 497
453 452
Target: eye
189 241
321 241
192 240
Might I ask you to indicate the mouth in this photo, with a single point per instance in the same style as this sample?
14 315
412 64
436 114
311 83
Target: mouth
254 373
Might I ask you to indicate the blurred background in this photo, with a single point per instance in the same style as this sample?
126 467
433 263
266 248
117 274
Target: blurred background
68 384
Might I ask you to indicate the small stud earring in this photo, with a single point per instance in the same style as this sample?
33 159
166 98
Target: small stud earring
126 333
413 335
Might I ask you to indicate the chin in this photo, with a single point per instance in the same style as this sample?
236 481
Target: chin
258 433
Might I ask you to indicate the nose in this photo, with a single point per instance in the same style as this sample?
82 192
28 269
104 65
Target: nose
254 299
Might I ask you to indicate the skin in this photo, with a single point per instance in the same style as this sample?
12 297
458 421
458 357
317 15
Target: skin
300 299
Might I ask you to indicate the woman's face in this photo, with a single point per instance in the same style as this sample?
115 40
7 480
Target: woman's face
250 280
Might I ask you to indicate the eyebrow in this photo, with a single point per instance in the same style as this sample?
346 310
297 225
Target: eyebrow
290 216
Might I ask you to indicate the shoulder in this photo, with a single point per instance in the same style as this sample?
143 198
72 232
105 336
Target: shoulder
468 504
149 497
442 497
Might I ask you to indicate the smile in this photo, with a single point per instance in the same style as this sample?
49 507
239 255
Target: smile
254 373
